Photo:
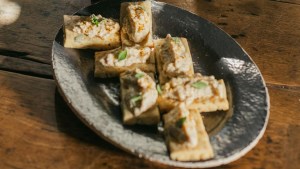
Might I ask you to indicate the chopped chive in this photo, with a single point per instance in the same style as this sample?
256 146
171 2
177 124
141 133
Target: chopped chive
135 99
122 55
176 40
180 122
139 75
158 89
95 20
199 85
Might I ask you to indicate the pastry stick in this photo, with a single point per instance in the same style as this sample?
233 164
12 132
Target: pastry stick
203 93
131 93
113 62
185 135
93 32
170 61
136 23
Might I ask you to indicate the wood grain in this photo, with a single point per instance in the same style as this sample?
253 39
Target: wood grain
25 67
36 25
269 31
272 150
30 36
39 131
271 38
24 55
51 136
295 2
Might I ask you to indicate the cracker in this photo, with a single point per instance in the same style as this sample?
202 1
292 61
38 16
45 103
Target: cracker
82 41
181 151
217 101
149 117
163 77
114 71
148 41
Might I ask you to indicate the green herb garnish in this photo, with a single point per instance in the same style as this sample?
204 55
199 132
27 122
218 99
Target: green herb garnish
122 55
158 89
176 40
180 122
139 75
199 85
95 20
134 99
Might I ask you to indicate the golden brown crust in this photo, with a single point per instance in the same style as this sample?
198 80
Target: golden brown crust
150 117
165 105
113 71
85 41
148 41
163 78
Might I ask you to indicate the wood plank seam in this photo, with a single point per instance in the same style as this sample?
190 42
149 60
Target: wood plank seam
287 87
25 67
23 55
28 74
287 2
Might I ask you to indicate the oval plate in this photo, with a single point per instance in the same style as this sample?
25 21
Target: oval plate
96 101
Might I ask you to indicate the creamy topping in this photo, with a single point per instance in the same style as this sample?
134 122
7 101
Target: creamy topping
174 57
183 128
187 89
137 23
141 94
96 26
131 56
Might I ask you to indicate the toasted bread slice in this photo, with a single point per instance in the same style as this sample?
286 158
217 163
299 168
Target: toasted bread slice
212 98
180 145
103 71
126 41
163 76
76 40
149 117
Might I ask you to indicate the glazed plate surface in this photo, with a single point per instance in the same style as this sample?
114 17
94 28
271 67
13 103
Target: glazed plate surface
96 101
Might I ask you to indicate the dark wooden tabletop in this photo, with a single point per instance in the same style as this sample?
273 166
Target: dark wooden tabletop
39 131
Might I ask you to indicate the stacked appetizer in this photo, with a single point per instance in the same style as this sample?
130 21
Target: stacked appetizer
129 52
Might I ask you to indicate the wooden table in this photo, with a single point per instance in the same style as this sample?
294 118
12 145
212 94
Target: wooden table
38 130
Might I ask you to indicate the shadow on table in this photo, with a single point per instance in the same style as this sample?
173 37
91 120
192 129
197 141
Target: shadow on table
67 122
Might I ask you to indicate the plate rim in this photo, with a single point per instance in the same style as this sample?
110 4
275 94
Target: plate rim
196 164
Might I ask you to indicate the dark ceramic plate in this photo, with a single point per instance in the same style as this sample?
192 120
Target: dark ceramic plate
96 101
